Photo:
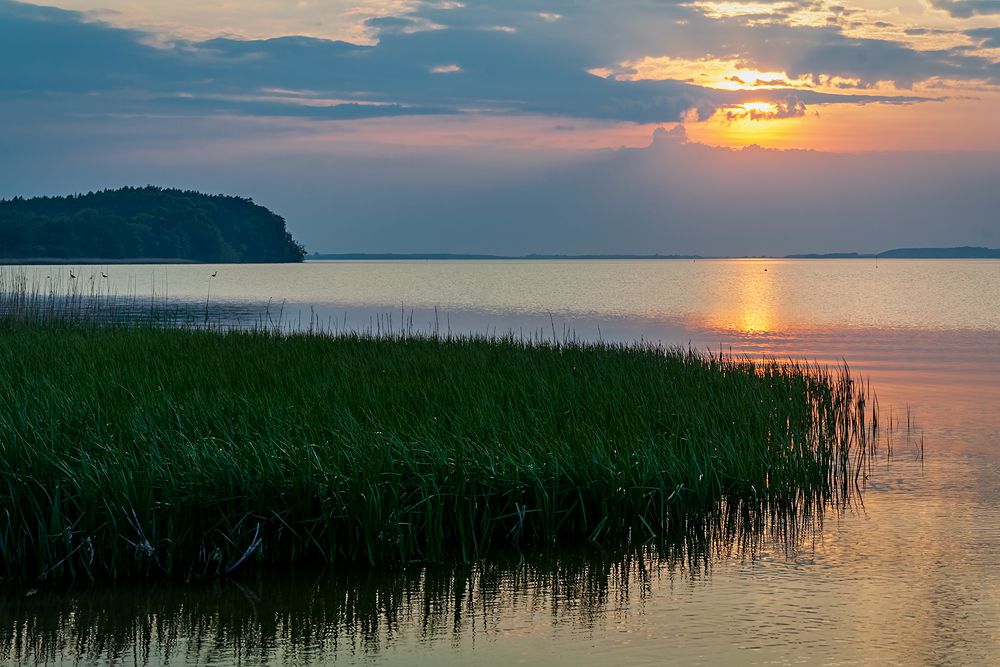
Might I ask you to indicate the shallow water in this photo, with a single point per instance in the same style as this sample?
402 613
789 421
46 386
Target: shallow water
750 296
912 577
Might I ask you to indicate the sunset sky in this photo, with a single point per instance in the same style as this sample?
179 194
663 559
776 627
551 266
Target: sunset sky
512 126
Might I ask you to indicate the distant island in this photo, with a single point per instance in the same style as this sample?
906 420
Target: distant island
143 224
964 252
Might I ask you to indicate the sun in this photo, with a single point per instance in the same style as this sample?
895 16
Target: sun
766 124
753 111
758 110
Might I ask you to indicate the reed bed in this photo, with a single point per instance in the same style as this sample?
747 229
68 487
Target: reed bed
131 449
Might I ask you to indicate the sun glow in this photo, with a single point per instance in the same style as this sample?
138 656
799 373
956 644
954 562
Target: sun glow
748 79
721 74
758 109
760 123
736 75
719 10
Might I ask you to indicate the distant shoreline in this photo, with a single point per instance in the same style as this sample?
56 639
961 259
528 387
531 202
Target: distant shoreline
965 252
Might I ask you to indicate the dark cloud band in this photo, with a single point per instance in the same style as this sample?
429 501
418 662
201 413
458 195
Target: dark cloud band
533 66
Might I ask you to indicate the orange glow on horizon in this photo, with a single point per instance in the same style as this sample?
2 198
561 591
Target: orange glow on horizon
857 125
852 128
750 123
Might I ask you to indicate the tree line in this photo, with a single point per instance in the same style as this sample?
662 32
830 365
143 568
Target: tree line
145 223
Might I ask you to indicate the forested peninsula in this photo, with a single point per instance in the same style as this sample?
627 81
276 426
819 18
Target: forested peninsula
148 223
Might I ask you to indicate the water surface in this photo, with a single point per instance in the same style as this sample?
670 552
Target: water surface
910 577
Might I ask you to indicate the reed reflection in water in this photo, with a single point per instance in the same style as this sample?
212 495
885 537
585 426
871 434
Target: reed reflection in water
353 613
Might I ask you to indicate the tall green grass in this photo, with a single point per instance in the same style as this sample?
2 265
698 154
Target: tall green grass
136 450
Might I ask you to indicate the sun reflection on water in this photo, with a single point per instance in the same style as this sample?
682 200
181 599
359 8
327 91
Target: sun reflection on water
751 309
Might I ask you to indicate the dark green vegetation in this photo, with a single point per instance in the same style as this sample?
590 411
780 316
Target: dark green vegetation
132 450
144 223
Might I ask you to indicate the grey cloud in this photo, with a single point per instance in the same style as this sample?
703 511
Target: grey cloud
344 111
916 32
814 52
539 68
387 25
967 8
682 30
986 37
676 133
841 10
57 50
525 71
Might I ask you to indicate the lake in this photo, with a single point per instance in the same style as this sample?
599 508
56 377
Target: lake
910 577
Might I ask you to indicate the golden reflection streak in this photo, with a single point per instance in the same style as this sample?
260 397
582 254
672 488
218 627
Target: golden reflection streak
751 309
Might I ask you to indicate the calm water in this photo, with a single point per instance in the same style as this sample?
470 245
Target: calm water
912 577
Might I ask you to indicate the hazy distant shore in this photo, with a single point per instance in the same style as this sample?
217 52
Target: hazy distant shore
965 252
896 253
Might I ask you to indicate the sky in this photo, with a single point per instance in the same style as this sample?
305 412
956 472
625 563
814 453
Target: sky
514 126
